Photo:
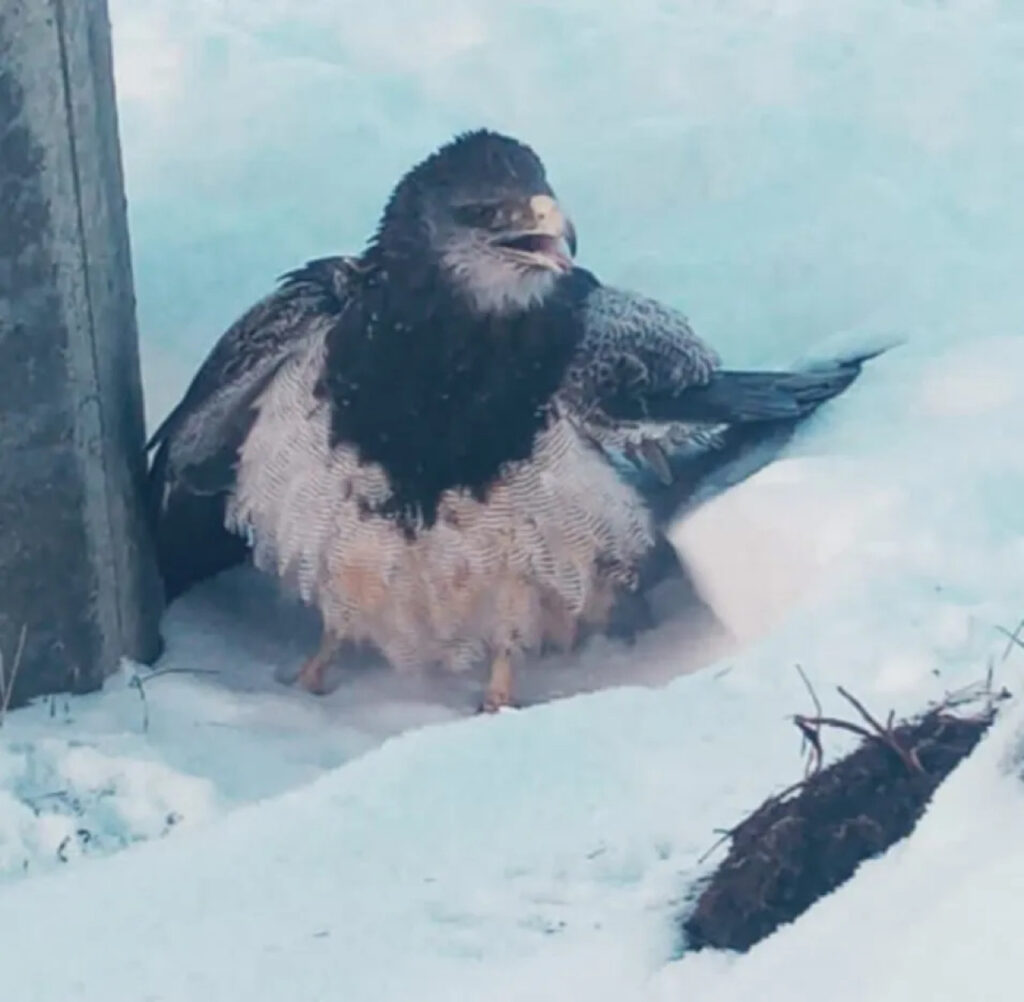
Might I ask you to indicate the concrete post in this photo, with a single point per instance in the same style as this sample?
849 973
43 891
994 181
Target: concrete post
76 566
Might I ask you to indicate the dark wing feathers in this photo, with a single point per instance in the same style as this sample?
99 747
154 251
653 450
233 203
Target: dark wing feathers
191 541
680 428
251 350
758 428
739 397
197 445
634 344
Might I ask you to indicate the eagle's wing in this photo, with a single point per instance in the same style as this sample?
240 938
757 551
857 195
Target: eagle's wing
654 397
678 427
197 445
632 348
203 432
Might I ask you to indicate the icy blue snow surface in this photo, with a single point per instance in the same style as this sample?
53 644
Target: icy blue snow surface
798 175
791 172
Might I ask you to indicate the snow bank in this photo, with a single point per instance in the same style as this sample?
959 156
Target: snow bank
553 850
799 177
62 799
790 172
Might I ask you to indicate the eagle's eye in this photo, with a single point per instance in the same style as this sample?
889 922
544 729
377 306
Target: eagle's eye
481 215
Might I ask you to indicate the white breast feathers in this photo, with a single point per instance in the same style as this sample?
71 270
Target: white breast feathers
546 552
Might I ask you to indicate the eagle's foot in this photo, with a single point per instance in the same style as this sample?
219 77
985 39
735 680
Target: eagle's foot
493 705
313 675
499 686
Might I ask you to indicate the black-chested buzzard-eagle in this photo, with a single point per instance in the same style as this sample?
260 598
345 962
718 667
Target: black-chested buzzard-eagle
426 440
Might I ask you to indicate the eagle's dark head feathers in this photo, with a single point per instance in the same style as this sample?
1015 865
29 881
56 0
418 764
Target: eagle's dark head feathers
459 327
479 212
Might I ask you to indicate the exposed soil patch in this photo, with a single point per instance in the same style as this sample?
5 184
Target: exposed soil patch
803 843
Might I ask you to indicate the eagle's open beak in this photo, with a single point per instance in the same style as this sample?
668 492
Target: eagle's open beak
548 239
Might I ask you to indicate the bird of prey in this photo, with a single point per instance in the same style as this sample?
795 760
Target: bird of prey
459 446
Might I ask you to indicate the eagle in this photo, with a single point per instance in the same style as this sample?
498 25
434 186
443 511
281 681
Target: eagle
459 446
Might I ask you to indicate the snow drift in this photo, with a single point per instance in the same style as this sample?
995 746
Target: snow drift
800 178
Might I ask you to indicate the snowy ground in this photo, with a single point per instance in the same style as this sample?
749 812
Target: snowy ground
551 850
806 176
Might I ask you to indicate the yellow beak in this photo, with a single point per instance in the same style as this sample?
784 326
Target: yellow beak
551 221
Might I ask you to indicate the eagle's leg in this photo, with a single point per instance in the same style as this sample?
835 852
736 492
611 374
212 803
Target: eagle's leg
312 675
499 686
516 606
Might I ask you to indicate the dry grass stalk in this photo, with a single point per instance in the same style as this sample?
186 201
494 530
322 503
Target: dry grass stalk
7 685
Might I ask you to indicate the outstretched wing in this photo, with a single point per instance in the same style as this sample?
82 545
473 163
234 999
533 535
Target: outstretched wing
754 415
633 345
651 394
197 445
632 348
654 397
733 397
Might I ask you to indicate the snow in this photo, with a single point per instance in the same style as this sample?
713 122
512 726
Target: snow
61 799
801 178
790 172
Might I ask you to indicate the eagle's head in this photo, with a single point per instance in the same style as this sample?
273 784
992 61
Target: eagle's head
480 213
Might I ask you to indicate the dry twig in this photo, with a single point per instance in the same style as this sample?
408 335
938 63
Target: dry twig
1014 638
7 687
810 728
973 693
909 758
812 735
138 682
810 690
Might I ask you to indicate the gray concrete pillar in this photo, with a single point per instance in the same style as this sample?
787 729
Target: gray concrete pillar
76 567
